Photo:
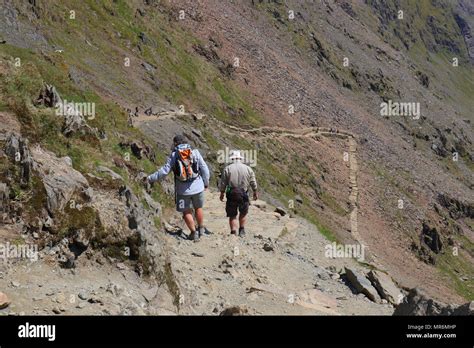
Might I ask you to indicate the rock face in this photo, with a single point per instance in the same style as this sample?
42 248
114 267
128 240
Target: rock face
362 284
385 286
49 97
139 149
457 209
60 180
431 237
417 303
4 200
141 221
464 19
16 149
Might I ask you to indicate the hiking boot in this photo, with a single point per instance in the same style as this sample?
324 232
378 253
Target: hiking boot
242 232
194 236
202 231
233 232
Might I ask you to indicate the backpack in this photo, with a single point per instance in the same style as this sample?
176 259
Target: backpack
186 166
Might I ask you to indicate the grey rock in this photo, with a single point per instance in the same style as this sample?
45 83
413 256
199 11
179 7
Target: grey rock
197 133
268 247
198 116
49 97
110 172
4 199
323 275
431 237
67 160
16 148
418 303
260 204
81 305
154 205
148 67
60 180
362 284
298 199
83 296
280 211
385 286
81 239
235 310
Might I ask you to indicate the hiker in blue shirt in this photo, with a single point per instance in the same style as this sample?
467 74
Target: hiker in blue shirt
191 179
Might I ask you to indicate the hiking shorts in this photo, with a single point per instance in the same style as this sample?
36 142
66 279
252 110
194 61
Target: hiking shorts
237 201
186 202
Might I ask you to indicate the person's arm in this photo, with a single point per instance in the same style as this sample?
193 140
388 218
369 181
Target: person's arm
163 171
204 169
223 183
253 183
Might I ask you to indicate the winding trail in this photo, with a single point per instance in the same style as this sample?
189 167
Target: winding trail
284 265
275 132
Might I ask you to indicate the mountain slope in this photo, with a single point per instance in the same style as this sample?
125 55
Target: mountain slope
227 67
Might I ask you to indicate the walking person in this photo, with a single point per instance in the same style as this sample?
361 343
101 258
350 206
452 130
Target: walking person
235 182
191 180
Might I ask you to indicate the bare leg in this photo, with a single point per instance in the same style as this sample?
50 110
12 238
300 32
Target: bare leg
242 219
200 217
233 223
189 220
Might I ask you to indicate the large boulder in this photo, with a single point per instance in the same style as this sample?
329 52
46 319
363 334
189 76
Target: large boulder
385 286
418 303
362 284
60 180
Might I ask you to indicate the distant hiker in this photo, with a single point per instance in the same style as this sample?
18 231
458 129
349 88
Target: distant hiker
235 182
191 176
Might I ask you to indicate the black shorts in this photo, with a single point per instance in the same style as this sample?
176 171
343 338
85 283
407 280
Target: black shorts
237 201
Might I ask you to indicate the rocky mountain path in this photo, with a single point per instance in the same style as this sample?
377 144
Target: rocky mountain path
279 267
95 287
142 120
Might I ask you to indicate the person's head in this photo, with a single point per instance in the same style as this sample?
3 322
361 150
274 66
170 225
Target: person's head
235 156
178 140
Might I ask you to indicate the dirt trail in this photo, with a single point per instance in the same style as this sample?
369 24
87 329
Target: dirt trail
275 132
279 267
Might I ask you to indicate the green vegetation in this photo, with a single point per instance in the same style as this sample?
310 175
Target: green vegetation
457 266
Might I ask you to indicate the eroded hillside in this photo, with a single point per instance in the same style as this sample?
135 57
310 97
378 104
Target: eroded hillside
242 75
